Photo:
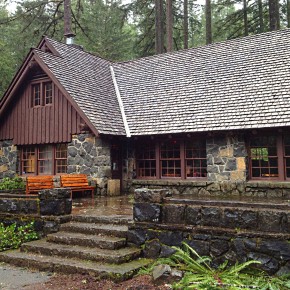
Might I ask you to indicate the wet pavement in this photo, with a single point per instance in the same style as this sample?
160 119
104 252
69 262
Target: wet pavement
104 205
18 278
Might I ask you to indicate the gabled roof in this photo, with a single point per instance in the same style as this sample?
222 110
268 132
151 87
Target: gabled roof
87 79
238 84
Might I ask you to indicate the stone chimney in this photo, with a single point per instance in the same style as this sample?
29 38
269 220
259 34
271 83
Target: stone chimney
69 35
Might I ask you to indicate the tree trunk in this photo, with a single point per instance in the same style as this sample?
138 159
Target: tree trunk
245 14
169 25
261 19
159 37
278 14
274 21
185 24
288 13
208 31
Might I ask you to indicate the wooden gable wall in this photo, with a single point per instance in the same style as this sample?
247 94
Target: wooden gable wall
53 123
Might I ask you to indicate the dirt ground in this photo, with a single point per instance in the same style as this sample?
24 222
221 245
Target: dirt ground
85 282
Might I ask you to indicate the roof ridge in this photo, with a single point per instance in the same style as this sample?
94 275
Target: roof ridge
119 98
215 44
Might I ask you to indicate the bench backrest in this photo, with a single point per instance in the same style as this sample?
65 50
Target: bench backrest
36 183
74 180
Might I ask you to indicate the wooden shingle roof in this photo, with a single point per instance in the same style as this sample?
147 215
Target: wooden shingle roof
88 81
238 84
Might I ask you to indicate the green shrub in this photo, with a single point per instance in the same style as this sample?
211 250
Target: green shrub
11 237
198 273
12 183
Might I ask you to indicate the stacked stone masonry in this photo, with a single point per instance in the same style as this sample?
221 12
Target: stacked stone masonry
8 159
225 230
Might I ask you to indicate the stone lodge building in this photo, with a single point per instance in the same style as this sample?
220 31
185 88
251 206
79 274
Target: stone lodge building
206 119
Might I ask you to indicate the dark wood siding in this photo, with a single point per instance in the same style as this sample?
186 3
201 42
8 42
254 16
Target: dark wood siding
54 123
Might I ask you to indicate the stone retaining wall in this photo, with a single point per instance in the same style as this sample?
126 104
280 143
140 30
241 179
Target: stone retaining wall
224 229
222 189
48 209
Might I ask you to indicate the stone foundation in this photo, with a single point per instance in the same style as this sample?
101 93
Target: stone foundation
8 159
223 229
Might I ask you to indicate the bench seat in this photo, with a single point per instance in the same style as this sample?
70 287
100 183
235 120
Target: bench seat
77 183
37 183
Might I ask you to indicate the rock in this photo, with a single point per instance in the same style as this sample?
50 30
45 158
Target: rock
146 212
152 249
150 195
161 271
173 214
166 251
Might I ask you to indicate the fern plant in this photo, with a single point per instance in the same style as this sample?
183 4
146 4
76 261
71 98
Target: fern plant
198 273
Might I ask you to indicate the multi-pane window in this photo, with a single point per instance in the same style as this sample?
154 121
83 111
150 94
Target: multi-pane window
195 159
264 157
48 93
41 93
44 159
173 158
170 159
146 160
28 160
61 158
36 99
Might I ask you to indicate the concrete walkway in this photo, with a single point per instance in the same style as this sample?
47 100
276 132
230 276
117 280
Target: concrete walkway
12 278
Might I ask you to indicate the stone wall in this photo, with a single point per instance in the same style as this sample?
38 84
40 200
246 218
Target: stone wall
224 230
8 159
209 189
48 209
226 158
90 155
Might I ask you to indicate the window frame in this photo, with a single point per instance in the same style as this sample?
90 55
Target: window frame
42 84
159 158
279 155
37 160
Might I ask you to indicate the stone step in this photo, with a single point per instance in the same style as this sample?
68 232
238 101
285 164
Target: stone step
71 266
108 219
96 229
94 254
79 239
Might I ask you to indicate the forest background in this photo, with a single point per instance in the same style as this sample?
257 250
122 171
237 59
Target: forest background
120 31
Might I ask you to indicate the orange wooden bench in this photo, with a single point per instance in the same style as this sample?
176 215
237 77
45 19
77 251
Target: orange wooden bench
36 183
76 182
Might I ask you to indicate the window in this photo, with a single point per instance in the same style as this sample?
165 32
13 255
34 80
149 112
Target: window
44 159
61 158
28 160
173 158
36 95
170 159
264 157
48 93
195 159
41 93
146 160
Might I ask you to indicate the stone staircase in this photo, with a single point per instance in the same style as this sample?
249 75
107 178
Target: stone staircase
94 245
